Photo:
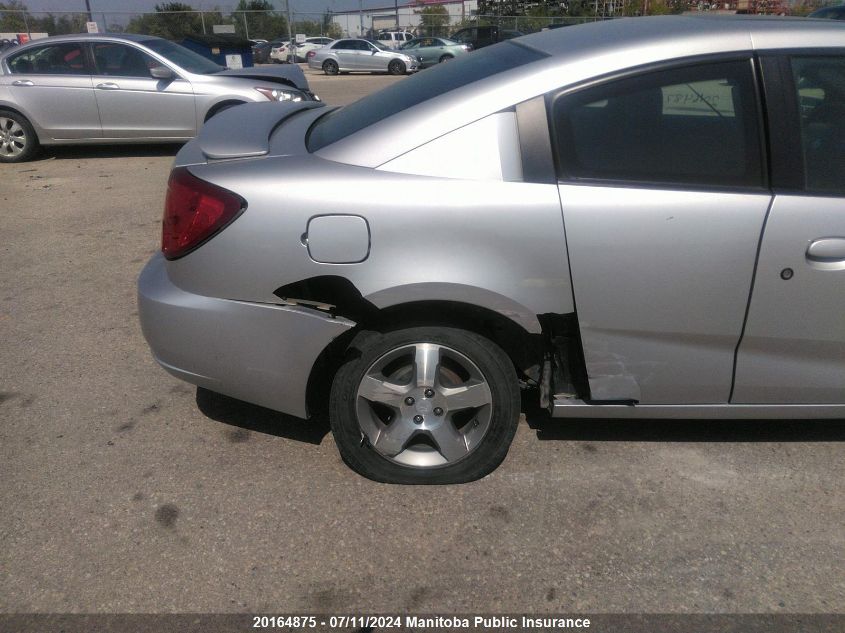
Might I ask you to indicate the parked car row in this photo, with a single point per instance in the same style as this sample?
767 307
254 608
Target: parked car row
281 50
98 88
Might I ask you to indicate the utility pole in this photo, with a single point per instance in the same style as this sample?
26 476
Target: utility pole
88 9
361 17
396 9
290 32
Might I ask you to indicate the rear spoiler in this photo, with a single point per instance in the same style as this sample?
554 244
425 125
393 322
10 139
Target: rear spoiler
244 131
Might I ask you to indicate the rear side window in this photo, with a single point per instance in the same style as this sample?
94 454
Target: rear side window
338 124
820 87
692 125
58 59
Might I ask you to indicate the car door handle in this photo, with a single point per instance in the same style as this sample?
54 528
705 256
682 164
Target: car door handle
827 249
22 82
108 86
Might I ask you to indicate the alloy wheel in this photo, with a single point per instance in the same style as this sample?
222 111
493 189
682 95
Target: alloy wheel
13 139
424 405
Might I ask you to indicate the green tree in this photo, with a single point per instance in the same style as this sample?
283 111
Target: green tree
62 25
14 22
172 21
268 24
330 27
434 18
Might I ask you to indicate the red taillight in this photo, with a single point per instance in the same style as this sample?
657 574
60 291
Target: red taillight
193 212
310 54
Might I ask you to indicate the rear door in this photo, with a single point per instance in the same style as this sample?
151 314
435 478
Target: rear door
52 83
347 54
134 105
664 197
793 348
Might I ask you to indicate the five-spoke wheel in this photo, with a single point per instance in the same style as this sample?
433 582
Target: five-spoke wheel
425 405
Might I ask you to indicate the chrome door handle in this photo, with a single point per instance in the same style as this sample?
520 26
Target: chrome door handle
22 82
827 249
108 86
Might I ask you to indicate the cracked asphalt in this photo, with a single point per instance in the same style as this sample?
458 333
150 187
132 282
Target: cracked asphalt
127 491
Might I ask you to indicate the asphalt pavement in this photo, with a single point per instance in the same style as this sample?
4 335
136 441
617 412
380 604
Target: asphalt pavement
125 490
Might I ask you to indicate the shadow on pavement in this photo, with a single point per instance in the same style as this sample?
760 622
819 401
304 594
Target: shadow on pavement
76 152
599 430
254 418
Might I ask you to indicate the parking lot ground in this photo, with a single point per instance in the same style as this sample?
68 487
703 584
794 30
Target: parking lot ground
125 490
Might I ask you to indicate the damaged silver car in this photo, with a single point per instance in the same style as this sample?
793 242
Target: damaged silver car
639 218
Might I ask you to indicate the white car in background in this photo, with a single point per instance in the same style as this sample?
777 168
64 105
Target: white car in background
394 39
311 44
280 52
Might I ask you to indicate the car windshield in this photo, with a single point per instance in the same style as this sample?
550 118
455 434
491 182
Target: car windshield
379 45
182 57
338 124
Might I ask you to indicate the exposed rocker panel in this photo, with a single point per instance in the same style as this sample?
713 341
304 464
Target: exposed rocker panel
579 409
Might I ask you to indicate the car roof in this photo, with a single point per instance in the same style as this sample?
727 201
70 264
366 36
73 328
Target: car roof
574 55
76 37
719 30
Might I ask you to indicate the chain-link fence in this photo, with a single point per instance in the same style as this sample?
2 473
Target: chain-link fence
173 25
419 19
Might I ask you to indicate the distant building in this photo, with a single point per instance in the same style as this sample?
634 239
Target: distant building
364 23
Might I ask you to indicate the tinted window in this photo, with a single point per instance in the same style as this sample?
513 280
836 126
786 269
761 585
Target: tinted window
820 86
59 59
119 60
694 125
342 45
465 36
830 13
416 89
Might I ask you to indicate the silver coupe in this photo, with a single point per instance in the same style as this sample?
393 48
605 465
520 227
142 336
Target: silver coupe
639 218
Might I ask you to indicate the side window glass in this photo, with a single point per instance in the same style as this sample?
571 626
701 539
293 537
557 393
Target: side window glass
692 125
119 60
820 87
59 59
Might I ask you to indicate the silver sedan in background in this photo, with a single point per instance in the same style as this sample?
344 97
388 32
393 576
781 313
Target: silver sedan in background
360 55
434 50
122 89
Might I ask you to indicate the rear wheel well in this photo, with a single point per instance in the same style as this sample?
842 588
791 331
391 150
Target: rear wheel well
8 108
523 348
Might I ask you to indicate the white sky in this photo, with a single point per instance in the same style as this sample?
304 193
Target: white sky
98 6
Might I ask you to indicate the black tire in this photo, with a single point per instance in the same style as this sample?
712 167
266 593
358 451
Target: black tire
330 67
396 67
18 140
492 438
445 58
